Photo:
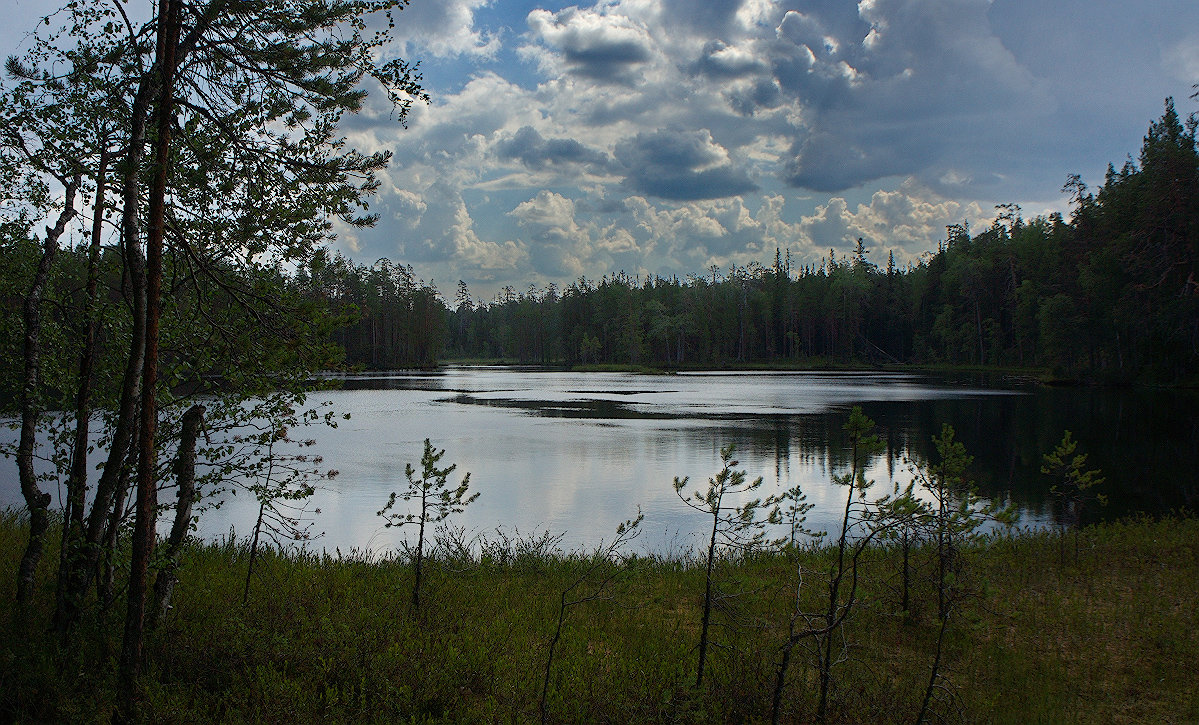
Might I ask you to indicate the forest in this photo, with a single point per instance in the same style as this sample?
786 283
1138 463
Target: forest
169 191
1109 296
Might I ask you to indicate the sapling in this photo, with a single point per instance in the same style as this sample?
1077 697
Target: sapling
600 569
793 508
286 481
908 516
860 525
732 526
862 445
436 502
1072 488
953 516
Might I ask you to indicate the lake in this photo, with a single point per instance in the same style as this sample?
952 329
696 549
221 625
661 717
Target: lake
577 453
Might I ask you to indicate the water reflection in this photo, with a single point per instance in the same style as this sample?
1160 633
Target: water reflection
581 452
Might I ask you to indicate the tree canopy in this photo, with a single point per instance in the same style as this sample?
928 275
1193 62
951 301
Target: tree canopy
204 145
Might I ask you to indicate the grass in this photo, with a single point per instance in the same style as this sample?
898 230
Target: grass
1111 638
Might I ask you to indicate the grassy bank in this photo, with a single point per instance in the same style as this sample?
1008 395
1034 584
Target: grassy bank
1111 638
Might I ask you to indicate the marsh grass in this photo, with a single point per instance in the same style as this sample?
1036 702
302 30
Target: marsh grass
1112 638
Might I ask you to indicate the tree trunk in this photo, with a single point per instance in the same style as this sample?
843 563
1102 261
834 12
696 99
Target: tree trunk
703 635
86 564
420 545
112 531
826 657
245 596
185 472
36 500
932 677
72 528
780 680
907 575
146 512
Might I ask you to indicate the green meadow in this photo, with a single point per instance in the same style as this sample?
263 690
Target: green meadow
1111 636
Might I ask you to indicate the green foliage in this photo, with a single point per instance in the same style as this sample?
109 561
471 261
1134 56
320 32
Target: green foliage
435 502
1072 485
325 641
384 316
734 525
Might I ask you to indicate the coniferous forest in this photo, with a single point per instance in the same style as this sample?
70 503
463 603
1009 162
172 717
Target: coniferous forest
1109 295
163 333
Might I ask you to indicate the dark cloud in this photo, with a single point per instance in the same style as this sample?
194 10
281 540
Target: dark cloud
673 148
594 58
681 165
830 162
913 88
763 94
594 45
536 152
714 18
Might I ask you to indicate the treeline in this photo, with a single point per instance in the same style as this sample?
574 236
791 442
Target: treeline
390 319
1111 294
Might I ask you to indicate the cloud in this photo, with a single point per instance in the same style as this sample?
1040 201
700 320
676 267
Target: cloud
444 28
1182 59
531 149
595 44
751 98
407 207
674 134
560 245
928 84
681 164
705 17
720 60
907 221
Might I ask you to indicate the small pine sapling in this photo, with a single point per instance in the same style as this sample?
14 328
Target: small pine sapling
436 502
861 523
953 517
792 507
1072 488
733 526
908 516
862 444
600 569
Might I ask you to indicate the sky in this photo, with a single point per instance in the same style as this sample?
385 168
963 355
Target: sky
669 136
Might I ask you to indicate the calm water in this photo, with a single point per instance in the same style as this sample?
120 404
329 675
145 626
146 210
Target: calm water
580 452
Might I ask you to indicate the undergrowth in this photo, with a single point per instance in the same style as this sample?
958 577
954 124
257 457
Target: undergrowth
323 638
